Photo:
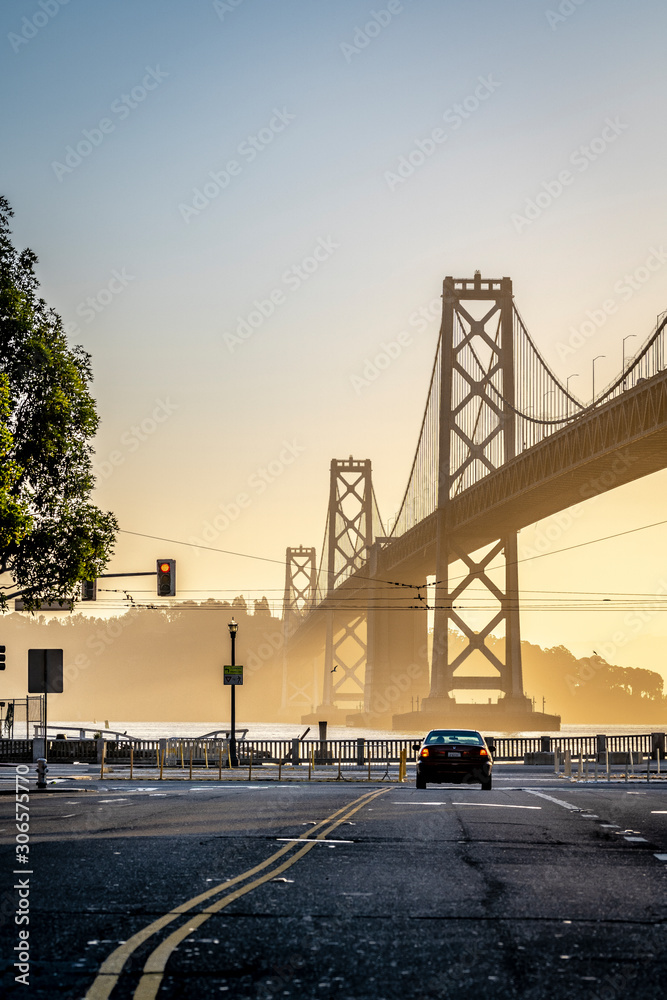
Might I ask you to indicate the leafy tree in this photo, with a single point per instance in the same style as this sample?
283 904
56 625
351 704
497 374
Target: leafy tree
51 535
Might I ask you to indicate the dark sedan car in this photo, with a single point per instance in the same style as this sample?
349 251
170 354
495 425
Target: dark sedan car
454 755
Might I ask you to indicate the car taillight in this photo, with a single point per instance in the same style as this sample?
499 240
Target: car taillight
483 752
424 752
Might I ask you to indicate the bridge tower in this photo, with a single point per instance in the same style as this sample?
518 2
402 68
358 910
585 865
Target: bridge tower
349 539
476 436
300 679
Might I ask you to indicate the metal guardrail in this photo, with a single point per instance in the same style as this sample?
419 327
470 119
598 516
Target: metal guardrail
16 750
359 751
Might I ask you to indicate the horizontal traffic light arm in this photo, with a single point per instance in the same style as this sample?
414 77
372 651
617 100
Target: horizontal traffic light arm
106 576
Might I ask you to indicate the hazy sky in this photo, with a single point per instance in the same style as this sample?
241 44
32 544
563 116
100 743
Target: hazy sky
236 204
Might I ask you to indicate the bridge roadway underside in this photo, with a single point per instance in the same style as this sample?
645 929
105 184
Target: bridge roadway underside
617 443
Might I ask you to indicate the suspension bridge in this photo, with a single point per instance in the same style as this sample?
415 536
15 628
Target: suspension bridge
503 444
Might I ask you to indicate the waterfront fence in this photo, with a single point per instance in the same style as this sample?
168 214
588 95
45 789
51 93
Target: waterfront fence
350 752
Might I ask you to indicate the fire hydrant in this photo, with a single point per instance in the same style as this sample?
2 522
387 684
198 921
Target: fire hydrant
41 772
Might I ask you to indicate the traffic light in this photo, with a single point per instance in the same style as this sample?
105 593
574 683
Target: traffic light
166 577
89 590
2 658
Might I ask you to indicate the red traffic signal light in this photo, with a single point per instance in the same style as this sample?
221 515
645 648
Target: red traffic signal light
166 577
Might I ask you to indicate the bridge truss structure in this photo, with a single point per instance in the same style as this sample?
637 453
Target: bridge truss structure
502 444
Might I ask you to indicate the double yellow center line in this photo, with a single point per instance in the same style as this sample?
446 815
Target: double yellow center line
153 971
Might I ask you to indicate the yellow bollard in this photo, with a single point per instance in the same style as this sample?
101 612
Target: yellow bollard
229 757
131 760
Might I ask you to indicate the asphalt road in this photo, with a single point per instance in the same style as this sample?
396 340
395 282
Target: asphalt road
537 889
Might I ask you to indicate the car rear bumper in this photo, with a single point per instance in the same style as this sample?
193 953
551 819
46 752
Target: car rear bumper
454 772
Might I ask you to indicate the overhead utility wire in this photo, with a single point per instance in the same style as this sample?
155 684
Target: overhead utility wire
247 555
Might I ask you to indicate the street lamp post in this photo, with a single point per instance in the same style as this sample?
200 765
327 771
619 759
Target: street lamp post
233 627
623 362
594 360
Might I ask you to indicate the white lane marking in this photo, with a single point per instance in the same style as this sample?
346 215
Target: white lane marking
494 805
111 800
589 816
609 826
310 840
658 812
660 857
395 803
67 816
550 798
637 840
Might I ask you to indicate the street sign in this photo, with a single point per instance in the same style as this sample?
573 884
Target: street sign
45 671
233 675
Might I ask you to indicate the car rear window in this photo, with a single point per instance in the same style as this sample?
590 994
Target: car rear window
453 736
